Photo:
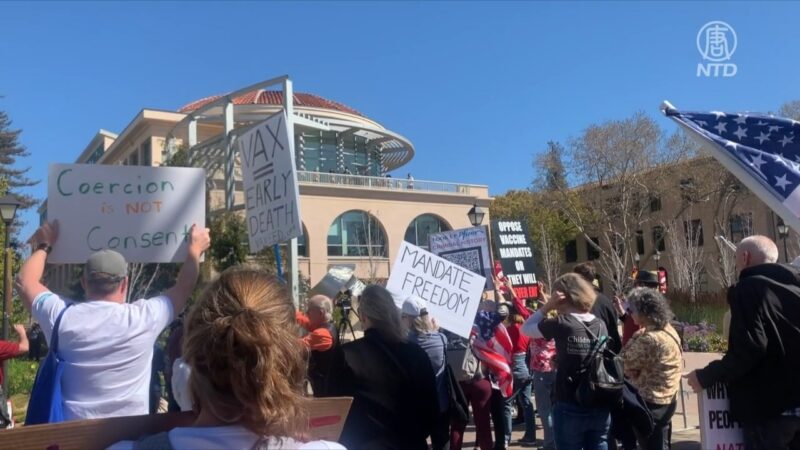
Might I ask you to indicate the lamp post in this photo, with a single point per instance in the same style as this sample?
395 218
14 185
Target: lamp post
636 259
475 215
657 257
8 210
783 232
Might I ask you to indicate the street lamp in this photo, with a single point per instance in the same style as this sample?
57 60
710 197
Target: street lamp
783 232
636 259
8 210
475 215
657 257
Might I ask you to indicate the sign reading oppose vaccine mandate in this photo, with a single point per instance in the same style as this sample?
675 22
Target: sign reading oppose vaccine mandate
450 292
718 430
271 194
143 212
515 255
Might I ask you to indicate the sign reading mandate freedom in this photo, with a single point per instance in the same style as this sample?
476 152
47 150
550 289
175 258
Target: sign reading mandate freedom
145 213
271 194
450 292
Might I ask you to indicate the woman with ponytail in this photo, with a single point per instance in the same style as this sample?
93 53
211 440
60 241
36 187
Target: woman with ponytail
392 382
247 370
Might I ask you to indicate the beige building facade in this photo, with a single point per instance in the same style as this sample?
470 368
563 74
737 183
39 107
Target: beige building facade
353 212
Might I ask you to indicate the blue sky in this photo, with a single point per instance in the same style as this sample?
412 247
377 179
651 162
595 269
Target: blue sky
479 88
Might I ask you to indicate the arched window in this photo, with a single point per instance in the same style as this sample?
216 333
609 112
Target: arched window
302 243
424 225
356 233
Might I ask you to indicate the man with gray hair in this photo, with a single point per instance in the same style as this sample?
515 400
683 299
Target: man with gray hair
763 358
320 340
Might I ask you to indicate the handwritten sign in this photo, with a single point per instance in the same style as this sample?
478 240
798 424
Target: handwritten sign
515 255
145 213
718 430
271 194
467 247
450 292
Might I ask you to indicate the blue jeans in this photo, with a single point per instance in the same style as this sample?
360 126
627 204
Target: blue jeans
543 383
578 428
521 376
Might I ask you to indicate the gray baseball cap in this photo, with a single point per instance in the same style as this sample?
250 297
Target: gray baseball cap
105 264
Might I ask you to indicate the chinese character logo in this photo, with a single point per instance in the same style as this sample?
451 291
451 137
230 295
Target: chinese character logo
716 41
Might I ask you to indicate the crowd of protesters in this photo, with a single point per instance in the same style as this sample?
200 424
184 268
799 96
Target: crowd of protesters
245 361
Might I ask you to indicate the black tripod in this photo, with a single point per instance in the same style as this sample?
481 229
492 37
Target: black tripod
344 322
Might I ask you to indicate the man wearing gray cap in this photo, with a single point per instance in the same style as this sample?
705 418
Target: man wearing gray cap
105 343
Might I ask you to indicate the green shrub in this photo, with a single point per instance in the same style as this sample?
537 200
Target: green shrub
21 374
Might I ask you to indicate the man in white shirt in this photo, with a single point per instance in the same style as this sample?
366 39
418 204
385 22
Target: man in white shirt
106 344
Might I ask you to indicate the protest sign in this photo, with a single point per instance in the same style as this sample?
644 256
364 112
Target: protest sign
514 252
450 292
467 247
718 431
143 212
326 418
271 195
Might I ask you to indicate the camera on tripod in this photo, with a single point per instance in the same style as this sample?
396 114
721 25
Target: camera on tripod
344 301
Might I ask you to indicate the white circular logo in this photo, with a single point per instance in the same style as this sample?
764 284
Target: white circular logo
716 41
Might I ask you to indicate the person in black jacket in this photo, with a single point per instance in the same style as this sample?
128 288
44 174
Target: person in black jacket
392 382
762 363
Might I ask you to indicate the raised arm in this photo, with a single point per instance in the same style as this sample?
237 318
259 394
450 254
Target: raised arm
199 241
24 345
29 279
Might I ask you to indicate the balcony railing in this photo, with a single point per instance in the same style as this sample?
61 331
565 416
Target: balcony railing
395 184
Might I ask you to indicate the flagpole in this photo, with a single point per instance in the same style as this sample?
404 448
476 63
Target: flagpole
729 163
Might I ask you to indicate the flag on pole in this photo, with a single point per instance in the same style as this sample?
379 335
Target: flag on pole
762 151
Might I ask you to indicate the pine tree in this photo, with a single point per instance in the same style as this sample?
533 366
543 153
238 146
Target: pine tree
11 151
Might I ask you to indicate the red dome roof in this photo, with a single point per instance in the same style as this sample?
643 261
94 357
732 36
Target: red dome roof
262 97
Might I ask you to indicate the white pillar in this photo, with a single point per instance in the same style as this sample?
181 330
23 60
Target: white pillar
230 185
288 106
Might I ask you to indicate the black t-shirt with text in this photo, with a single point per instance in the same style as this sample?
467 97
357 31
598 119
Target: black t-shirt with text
573 343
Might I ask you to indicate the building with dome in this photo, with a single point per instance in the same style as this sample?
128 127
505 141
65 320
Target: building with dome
356 202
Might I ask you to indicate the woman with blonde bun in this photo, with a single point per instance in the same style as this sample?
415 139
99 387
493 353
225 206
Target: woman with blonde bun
247 370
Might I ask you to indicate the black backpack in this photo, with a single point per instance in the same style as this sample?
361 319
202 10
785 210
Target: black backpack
600 379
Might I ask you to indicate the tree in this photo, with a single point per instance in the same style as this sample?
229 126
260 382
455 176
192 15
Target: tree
615 161
11 151
790 110
686 254
547 230
550 168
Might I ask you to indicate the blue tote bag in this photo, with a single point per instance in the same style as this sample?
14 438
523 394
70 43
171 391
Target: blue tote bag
46 404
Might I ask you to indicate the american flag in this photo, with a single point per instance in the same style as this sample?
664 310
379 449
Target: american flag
765 147
492 345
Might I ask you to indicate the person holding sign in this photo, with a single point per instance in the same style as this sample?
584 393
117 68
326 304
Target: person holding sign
652 359
762 363
575 328
247 370
391 381
104 335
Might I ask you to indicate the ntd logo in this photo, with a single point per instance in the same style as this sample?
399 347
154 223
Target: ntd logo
716 42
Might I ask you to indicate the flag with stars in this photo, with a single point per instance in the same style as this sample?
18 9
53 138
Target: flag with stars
766 149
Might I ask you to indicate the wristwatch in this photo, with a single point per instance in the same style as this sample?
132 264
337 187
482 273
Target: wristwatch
44 246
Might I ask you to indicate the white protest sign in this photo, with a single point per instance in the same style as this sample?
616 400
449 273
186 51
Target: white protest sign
718 431
143 212
271 194
467 247
451 293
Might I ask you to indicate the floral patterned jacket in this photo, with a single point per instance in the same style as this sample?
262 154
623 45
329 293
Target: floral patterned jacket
652 360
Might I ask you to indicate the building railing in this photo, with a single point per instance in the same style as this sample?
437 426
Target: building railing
396 184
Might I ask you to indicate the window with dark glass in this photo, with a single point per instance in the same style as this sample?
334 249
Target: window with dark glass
658 238
640 242
356 233
591 251
655 203
741 226
147 153
571 251
423 226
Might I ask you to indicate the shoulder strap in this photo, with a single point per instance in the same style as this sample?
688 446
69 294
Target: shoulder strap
56 325
680 347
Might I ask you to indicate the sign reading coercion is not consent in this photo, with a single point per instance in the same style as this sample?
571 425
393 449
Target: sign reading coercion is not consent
143 212
271 194
450 292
